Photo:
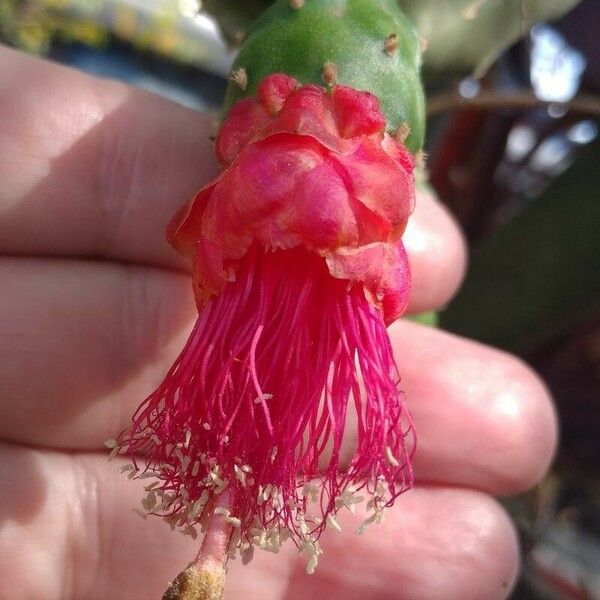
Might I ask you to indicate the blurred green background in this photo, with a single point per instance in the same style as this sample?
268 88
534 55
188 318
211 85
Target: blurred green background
513 102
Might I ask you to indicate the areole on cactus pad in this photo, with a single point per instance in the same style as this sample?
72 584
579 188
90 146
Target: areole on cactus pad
298 265
371 42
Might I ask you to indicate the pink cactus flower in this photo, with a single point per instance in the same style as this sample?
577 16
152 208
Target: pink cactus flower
298 266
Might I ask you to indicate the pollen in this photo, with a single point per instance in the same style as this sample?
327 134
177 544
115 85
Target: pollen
113 446
191 531
233 521
262 398
240 475
149 502
391 458
331 521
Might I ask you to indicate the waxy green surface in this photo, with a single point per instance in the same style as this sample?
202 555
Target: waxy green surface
352 35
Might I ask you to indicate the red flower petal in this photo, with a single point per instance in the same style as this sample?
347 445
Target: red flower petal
320 210
382 268
245 119
274 90
293 180
259 186
380 183
356 113
210 272
184 228
308 111
398 152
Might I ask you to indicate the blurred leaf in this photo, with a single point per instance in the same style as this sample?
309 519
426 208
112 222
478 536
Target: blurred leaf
540 274
235 18
466 36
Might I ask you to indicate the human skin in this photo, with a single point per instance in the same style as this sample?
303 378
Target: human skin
94 307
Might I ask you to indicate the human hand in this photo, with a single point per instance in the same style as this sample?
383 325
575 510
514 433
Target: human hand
94 308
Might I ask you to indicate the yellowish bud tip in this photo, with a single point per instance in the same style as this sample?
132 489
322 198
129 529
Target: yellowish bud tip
205 582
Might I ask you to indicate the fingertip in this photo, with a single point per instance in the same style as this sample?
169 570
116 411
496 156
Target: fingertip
528 424
483 417
496 566
437 251
481 554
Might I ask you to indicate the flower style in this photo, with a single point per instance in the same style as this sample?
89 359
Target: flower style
298 266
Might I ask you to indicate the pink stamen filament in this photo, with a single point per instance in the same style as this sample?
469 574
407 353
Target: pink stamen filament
262 388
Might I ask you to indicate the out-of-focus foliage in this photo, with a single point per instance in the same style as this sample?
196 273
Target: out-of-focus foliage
235 17
464 36
160 26
539 275
33 25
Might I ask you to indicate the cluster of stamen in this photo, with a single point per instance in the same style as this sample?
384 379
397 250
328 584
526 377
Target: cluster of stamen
244 412
180 512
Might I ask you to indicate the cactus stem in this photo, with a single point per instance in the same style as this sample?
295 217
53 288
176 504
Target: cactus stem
329 73
240 78
391 44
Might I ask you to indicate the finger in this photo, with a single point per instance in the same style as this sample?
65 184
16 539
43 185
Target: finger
437 252
81 342
68 532
102 168
82 345
483 417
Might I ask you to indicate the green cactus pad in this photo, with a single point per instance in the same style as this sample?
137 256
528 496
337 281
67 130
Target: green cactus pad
350 34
